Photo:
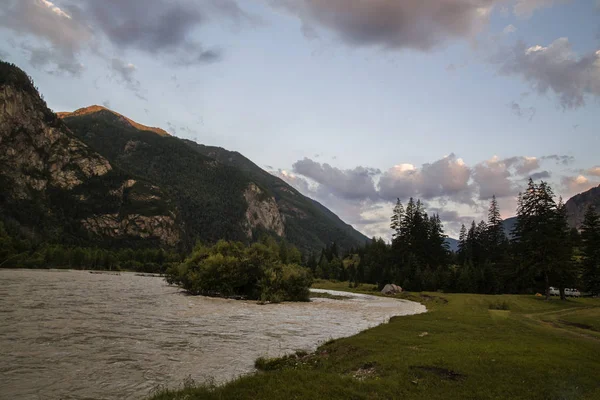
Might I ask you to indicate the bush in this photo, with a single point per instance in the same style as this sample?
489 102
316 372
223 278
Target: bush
230 269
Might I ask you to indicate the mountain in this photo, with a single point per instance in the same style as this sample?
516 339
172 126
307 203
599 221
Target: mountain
578 205
220 194
55 187
452 244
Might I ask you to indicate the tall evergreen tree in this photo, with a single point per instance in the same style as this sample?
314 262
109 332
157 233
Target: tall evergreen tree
538 233
495 230
563 270
590 239
462 245
397 217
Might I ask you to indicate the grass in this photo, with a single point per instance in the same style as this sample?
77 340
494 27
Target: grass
315 295
460 349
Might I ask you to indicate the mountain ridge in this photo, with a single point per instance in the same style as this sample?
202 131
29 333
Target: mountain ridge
96 108
183 167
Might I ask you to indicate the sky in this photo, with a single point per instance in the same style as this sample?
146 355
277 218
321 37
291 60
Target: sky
356 103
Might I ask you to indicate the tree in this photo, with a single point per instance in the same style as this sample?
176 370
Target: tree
538 234
563 268
495 231
397 216
462 245
590 239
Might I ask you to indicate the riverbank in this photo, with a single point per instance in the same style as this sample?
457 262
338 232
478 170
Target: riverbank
459 349
120 336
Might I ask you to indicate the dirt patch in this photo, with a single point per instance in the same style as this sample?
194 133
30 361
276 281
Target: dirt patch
443 373
367 371
576 325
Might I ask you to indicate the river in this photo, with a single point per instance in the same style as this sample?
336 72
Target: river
77 335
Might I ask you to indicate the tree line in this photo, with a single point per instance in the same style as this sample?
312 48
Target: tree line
17 251
541 251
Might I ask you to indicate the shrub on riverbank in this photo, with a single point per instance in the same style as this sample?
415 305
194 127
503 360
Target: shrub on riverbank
231 269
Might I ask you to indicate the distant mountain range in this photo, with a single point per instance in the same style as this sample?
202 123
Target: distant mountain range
95 176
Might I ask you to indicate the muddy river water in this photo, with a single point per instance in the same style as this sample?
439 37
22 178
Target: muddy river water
77 335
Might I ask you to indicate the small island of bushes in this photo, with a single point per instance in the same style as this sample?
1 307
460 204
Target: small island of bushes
264 271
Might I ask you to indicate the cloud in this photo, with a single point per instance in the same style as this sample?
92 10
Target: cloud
400 24
572 185
54 61
522 165
167 29
447 178
63 34
527 112
392 24
556 69
365 196
65 31
164 28
125 73
509 29
297 182
559 159
540 175
351 184
493 178
594 171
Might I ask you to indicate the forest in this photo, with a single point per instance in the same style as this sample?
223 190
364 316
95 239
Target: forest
540 252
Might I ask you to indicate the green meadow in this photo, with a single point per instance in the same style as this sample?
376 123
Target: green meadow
462 348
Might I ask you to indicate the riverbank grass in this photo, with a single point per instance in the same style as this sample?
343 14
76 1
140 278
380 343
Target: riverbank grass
463 348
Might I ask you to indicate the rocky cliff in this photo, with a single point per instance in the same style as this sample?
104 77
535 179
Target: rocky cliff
578 205
56 186
262 212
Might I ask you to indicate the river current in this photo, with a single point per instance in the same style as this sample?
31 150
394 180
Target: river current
78 335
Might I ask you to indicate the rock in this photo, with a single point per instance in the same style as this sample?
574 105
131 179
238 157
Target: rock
391 289
262 211
64 182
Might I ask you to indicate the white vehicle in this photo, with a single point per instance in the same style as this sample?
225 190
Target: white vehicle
568 292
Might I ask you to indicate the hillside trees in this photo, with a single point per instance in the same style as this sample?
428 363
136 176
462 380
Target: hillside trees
590 238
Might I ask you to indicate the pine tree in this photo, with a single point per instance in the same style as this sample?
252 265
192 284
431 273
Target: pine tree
590 238
538 234
462 245
495 231
397 218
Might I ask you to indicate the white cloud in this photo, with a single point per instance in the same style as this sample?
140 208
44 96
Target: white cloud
447 178
572 185
594 171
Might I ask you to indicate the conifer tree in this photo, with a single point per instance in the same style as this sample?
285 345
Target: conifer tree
590 238
397 218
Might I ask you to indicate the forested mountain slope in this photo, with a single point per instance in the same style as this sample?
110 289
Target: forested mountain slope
220 194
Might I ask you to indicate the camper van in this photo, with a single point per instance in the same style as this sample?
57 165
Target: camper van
568 292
